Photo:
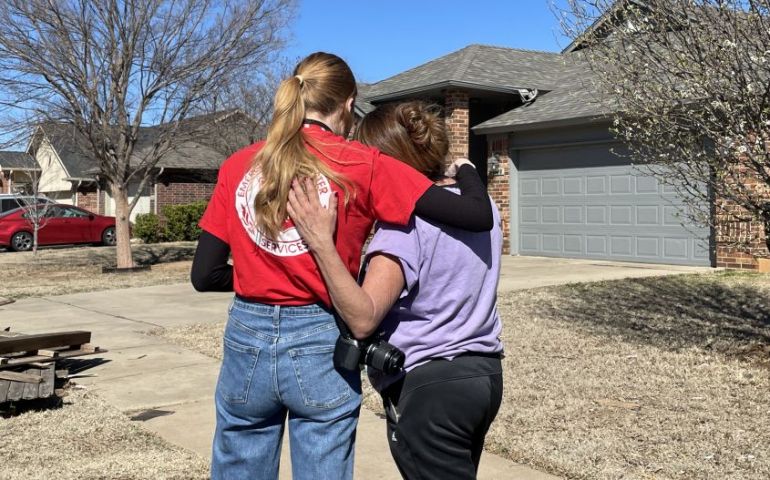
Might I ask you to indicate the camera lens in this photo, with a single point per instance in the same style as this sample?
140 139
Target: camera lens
394 362
384 357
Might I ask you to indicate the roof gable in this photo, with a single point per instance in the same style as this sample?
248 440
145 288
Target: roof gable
70 146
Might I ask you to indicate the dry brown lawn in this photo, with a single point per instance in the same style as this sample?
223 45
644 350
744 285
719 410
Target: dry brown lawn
656 378
650 378
88 439
79 269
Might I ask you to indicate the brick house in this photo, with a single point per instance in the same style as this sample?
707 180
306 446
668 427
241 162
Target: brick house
187 173
527 120
17 170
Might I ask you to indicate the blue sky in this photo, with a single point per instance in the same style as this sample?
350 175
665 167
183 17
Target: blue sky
380 38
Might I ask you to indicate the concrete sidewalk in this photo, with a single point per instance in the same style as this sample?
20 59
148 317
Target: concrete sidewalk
145 372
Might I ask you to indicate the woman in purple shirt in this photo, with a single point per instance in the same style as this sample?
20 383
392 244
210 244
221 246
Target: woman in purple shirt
429 290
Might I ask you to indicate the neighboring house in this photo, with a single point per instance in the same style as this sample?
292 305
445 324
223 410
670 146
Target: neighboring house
70 173
531 124
17 171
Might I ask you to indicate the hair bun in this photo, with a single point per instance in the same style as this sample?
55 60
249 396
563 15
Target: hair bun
421 122
412 132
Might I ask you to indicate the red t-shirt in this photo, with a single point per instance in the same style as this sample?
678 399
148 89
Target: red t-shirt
282 271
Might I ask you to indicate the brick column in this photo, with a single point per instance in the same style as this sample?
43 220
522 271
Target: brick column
456 115
3 183
92 199
738 241
740 237
499 185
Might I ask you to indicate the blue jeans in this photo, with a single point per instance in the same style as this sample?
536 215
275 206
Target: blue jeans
278 361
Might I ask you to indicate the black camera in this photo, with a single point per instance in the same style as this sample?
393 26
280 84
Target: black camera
350 354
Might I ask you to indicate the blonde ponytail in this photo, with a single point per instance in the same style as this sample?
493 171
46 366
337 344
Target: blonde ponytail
322 83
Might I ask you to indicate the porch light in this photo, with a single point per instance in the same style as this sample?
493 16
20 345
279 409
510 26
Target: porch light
493 165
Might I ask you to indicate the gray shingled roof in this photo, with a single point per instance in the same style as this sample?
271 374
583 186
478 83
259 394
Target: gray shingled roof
476 66
563 81
71 147
576 98
205 141
203 149
362 106
10 160
548 108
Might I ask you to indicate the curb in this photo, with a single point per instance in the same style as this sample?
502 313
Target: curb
5 301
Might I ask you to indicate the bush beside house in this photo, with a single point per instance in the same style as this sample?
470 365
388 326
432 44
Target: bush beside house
182 221
181 224
147 227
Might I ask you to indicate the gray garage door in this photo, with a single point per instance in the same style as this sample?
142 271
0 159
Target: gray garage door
602 212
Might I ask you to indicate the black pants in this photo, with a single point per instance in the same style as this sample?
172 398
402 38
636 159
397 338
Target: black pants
439 414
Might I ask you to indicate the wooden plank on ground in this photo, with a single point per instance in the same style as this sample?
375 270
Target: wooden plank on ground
87 347
20 377
43 341
47 387
16 391
4 386
40 360
31 390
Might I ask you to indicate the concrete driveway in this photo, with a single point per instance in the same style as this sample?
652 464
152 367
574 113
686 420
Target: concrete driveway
521 273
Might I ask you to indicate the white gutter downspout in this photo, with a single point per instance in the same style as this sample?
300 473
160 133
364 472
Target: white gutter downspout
76 192
155 190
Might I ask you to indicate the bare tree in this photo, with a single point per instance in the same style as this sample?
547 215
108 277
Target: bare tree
111 67
691 84
38 210
252 97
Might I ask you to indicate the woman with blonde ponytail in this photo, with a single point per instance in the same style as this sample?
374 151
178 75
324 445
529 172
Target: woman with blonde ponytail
281 333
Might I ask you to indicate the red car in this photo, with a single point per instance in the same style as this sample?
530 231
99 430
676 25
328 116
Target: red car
60 224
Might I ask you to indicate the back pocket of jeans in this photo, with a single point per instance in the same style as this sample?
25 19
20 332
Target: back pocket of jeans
238 364
321 385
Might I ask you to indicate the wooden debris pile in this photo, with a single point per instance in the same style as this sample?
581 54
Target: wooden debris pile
29 364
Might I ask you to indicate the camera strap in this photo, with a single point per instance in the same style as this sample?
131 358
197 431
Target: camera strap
342 326
347 353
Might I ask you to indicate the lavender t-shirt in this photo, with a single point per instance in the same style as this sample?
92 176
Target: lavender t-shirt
448 306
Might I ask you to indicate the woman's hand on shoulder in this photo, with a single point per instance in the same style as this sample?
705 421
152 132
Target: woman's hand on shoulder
315 223
452 169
